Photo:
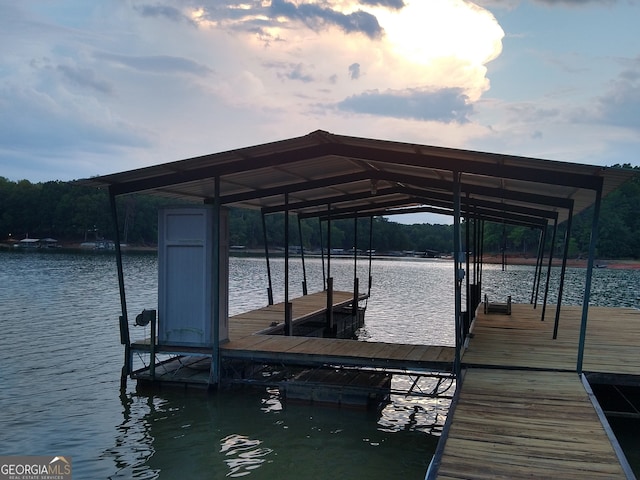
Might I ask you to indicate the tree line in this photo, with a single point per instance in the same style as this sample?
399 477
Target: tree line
72 213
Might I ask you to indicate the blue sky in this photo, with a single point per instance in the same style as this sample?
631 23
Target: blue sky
89 88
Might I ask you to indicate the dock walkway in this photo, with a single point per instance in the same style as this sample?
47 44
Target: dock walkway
523 411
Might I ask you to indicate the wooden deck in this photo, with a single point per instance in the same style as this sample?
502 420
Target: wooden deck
331 351
522 340
523 411
249 340
263 319
246 342
511 424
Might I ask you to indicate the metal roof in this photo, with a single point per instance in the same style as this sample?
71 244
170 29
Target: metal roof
362 176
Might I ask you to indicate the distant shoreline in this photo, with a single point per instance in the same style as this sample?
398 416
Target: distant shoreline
618 264
571 262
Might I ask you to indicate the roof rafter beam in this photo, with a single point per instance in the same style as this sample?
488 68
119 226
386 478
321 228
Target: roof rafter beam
246 163
447 186
332 200
497 217
464 166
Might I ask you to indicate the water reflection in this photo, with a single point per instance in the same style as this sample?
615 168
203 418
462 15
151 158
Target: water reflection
237 433
243 454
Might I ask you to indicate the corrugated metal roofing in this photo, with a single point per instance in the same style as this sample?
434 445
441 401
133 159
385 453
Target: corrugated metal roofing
367 175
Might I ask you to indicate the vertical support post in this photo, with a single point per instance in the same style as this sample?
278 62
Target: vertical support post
304 269
214 372
330 304
504 246
467 250
475 299
324 276
356 294
587 287
124 319
544 241
288 327
457 242
330 324
567 237
481 259
354 306
328 241
476 249
266 256
370 253
535 272
152 350
551 248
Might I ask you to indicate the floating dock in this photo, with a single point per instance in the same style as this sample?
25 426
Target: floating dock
254 340
522 410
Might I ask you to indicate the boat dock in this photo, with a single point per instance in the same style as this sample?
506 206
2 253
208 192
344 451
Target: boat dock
254 338
523 406
522 410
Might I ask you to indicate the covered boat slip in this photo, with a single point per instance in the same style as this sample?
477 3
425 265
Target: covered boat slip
523 412
327 177
257 336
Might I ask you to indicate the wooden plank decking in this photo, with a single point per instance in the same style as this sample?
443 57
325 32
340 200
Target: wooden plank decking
523 411
318 351
304 307
522 340
247 341
511 424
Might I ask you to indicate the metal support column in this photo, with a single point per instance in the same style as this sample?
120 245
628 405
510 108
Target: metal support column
567 237
457 242
304 269
324 276
370 253
214 372
587 287
537 283
288 327
124 319
481 258
354 306
328 241
546 285
467 251
266 256
538 263
330 324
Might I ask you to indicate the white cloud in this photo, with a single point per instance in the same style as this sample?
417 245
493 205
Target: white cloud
96 86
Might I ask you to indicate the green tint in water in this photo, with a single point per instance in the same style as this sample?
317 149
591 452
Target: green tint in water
234 434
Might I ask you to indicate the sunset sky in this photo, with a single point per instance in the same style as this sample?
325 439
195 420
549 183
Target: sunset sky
95 87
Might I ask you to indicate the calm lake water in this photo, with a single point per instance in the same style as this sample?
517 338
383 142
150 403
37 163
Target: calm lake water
62 356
